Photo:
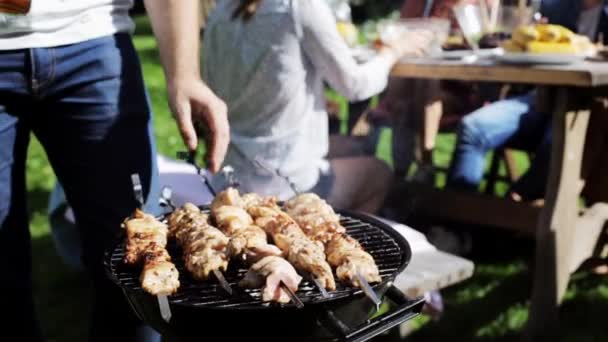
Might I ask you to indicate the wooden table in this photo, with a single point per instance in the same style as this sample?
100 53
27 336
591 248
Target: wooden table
565 236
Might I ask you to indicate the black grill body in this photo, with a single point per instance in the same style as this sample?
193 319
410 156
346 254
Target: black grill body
202 309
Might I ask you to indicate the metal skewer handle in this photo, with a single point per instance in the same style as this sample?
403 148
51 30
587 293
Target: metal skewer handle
165 309
223 282
294 298
165 198
367 289
190 158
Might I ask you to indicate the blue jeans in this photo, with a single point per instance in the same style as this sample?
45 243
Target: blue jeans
87 106
512 122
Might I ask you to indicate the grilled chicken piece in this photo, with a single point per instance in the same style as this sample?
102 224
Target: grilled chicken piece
143 232
254 200
229 197
304 254
251 245
204 246
348 257
344 253
231 219
146 243
160 277
316 218
247 241
268 273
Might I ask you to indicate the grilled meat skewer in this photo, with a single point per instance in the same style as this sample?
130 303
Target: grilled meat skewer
249 242
304 254
146 244
204 246
344 253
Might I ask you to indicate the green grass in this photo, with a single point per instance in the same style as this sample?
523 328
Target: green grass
491 306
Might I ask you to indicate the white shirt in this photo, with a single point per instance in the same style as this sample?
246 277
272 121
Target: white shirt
271 71
589 20
60 22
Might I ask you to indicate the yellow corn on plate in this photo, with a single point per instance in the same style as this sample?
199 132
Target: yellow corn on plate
525 34
566 35
512 46
544 47
549 33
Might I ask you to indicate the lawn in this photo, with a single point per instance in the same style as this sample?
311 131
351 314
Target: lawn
492 306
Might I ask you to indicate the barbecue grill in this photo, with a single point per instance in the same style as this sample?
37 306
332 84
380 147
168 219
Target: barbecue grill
203 310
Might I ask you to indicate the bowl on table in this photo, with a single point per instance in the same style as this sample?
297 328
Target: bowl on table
440 28
480 32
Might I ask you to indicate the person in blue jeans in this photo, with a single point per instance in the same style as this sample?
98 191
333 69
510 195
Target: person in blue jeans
515 122
512 122
70 75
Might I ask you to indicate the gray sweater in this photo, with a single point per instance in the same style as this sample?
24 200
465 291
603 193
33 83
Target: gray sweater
271 70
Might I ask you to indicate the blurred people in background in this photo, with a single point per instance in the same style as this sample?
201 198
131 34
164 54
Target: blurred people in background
516 122
409 104
269 60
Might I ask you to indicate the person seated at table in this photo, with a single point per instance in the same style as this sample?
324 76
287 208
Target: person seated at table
516 122
268 60
405 104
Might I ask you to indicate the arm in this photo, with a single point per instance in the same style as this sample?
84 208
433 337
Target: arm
328 52
176 26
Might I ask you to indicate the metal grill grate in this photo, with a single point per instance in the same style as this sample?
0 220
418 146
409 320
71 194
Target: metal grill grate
377 241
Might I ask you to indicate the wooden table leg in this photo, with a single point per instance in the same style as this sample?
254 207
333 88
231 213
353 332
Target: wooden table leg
557 223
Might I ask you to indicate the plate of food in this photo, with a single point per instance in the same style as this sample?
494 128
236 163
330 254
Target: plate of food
545 44
456 47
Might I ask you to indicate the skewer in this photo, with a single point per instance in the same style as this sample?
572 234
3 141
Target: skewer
318 284
190 157
294 298
228 173
165 309
163 300
367 289
138 189
165 198
258 162
225 285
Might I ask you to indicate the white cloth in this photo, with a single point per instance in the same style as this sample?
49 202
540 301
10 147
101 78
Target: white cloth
52 23
589 20
271 70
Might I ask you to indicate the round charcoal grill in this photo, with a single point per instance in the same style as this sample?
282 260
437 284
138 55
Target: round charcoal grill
342 316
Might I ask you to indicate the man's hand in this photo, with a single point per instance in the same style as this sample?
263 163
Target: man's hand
176 26
193 104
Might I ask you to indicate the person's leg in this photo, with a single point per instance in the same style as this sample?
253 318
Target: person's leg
16 297
94 125
532 184
360 183
485 129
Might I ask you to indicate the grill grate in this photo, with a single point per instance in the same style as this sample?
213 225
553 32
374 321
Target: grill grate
385 249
